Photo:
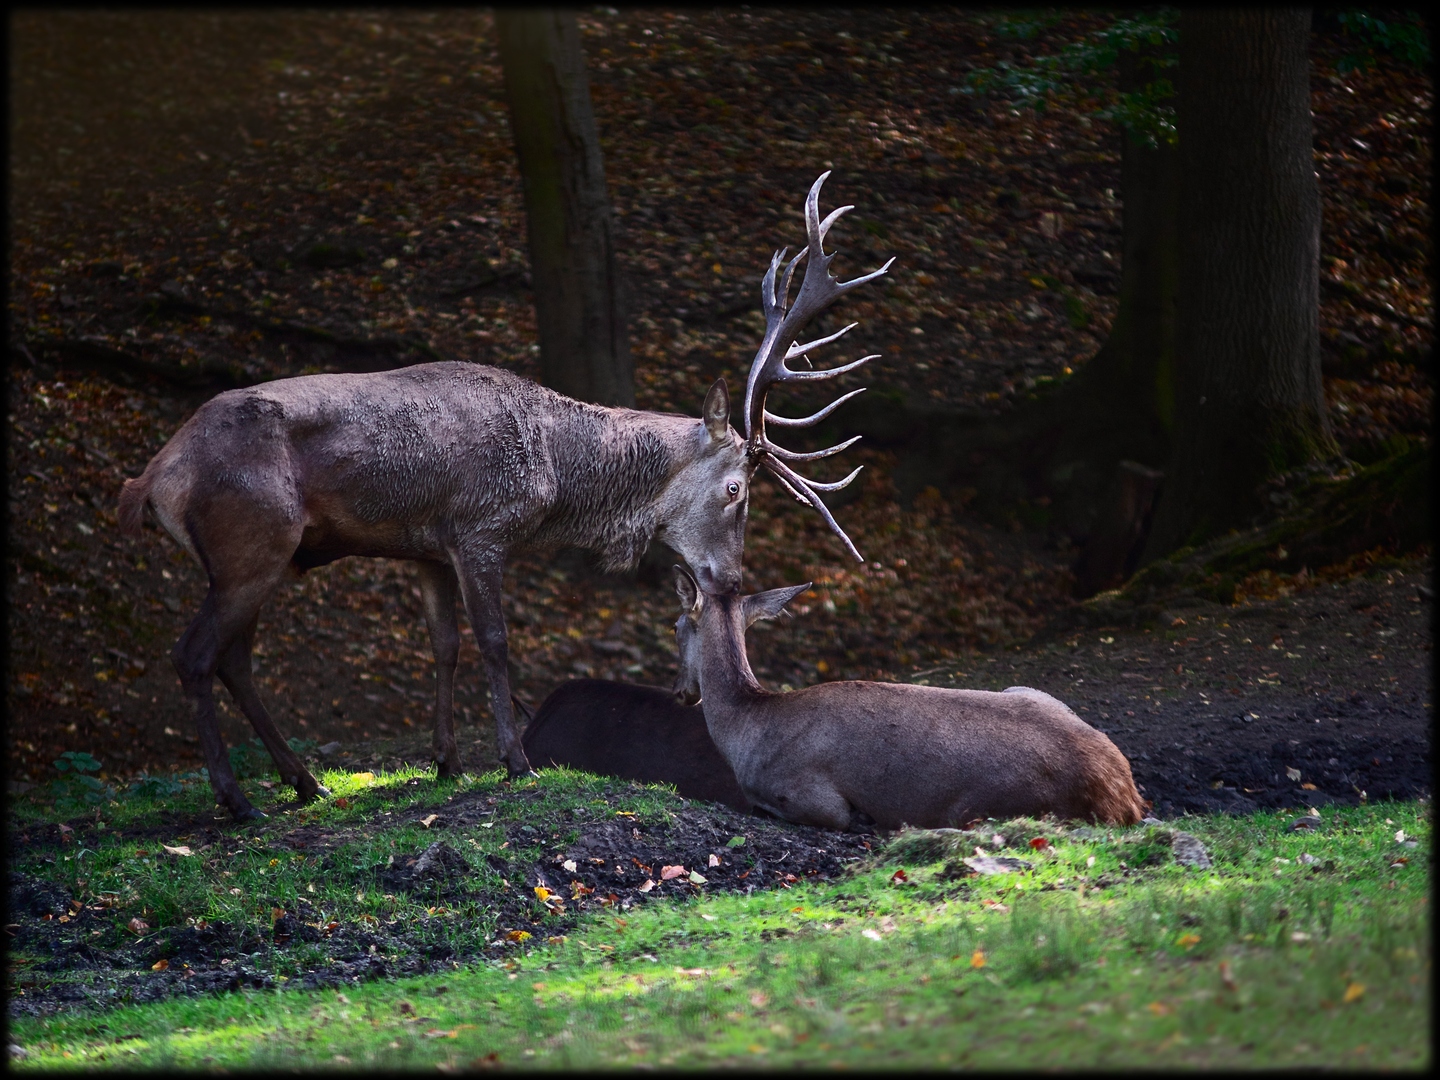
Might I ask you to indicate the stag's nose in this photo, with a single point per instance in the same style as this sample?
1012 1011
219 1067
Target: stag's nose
717 583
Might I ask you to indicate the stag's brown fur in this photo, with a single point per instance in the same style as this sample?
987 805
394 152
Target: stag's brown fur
898 753
451 465
454 466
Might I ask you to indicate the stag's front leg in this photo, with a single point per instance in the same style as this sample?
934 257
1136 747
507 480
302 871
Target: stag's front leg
438 587
480 581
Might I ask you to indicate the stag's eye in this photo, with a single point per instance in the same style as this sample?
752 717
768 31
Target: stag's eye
733 488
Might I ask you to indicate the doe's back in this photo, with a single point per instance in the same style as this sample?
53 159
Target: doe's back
632 732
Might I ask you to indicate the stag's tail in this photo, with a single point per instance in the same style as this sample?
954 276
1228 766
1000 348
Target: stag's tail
133 498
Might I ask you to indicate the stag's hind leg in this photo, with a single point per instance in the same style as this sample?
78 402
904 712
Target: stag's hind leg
438 588
235 672
245 547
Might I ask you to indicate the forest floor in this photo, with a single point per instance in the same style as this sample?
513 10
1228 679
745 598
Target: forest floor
270 194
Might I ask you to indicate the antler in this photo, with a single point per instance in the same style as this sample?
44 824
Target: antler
818 290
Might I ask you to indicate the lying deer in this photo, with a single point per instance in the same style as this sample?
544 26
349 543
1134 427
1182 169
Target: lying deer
453 466
633 732
897 753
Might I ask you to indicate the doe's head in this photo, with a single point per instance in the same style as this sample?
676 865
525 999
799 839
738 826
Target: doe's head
726 620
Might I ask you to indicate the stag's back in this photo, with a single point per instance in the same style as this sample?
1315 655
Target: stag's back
386 463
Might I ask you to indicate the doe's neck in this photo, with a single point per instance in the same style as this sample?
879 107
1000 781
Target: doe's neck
725 675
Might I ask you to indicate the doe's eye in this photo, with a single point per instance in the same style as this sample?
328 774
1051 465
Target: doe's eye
733 488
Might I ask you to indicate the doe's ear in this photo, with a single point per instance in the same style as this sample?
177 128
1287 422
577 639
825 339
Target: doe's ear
717 412
767 605
687 590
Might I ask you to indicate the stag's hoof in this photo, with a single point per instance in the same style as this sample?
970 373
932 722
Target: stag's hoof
249 813
317 792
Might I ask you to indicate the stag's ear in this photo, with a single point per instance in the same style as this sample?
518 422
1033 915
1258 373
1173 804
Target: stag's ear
687 590
717 412
767 605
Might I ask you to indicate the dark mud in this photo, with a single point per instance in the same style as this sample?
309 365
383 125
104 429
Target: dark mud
91 960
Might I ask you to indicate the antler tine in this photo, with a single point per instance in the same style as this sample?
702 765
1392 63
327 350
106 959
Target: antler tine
814 455
793 481
783 322
814 418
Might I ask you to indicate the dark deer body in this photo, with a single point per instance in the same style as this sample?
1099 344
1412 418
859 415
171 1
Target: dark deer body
901 754
452 466
634 733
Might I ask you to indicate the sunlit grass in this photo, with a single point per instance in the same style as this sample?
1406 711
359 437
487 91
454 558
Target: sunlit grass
1263 960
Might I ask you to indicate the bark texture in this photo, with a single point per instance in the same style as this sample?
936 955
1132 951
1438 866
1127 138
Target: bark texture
1249 401
584 350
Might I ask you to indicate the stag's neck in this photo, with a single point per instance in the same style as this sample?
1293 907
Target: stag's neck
611 467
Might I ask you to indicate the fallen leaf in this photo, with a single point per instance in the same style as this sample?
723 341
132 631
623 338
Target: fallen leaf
649 884
579 889
542 893
714 860
1307 786
363 778
759 999
1299 935
160 965
1227 977
1188 941
342 803
1293 774
555 939
179 849
697 878
994 906
899 876
1400 836
707 917
873 935
735 841
138 926
429 819
1159 1008
1353 992
977 958
1306 858
1039 843
668 872
276 914
517 935
691 971
569 866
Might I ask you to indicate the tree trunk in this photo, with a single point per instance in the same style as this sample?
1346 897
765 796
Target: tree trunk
1249 401
1121 404
584 351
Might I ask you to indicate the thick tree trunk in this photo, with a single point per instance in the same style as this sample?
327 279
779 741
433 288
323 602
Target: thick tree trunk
584 351
1121 404
1249 401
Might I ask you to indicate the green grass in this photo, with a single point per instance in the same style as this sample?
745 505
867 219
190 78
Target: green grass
1260 961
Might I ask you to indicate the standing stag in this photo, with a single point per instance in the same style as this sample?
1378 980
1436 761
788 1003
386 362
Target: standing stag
897 753
453 466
